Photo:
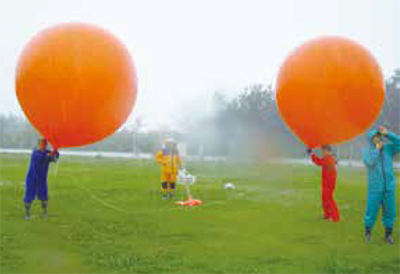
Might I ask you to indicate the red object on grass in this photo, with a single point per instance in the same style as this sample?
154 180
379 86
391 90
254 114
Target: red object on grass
190 202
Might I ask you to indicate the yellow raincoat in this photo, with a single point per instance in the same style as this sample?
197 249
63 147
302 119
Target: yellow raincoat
170 165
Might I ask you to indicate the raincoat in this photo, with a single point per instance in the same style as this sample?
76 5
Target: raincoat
381 180
328 164
170 164
36 179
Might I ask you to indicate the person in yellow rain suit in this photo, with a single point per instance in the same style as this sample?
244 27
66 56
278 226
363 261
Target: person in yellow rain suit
170 162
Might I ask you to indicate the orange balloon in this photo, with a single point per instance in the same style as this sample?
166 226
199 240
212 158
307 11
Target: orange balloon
76 84
329 90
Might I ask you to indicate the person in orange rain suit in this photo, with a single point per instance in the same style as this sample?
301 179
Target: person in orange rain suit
169 160
328 163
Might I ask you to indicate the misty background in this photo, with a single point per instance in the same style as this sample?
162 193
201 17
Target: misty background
246 127
206 69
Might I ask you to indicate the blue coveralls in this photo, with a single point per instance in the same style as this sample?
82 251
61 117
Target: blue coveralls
381 180
36 179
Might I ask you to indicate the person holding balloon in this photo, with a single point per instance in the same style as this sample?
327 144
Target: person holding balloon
378 158
169 160
329 174
36 179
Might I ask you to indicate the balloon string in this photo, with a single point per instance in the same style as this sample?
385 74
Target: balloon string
103 202
56 169
100 200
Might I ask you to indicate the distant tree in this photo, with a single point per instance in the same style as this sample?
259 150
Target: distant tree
16 132
247 126
391 109
250 125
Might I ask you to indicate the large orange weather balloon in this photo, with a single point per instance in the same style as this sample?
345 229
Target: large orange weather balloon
76 84
329 90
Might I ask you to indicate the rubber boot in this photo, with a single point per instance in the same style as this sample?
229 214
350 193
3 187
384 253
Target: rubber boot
28 211
368 237
44 209
388 235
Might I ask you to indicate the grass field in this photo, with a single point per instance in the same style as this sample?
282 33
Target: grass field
106 216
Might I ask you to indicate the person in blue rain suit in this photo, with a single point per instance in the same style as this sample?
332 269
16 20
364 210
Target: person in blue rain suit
378 158
36 179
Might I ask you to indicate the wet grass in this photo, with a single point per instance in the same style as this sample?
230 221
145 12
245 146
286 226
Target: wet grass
107 217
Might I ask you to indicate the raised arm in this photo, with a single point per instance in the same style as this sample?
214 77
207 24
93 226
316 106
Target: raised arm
53 156
394 146
160 158
318 161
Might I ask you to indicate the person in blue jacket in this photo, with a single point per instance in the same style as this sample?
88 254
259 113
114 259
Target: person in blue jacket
378 158
36 179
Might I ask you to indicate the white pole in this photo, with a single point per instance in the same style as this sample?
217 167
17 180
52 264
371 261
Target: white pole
183 154
351 154
134 144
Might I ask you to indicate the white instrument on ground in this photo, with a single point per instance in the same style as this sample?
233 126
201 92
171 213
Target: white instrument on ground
185 178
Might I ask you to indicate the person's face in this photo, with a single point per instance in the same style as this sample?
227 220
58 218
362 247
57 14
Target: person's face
42 144
326 152
376 139
168 146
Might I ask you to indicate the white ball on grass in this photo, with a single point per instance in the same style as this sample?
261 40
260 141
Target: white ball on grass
229 186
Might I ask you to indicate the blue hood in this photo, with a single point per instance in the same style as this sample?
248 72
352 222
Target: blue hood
371 134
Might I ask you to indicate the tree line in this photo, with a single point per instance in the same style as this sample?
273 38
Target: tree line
248 126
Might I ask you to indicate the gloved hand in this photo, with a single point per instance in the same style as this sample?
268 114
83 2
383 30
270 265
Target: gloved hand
383 130
379 145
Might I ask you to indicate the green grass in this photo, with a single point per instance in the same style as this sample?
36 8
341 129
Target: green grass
107 217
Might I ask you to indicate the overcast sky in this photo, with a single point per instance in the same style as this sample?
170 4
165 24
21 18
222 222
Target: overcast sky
186 50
